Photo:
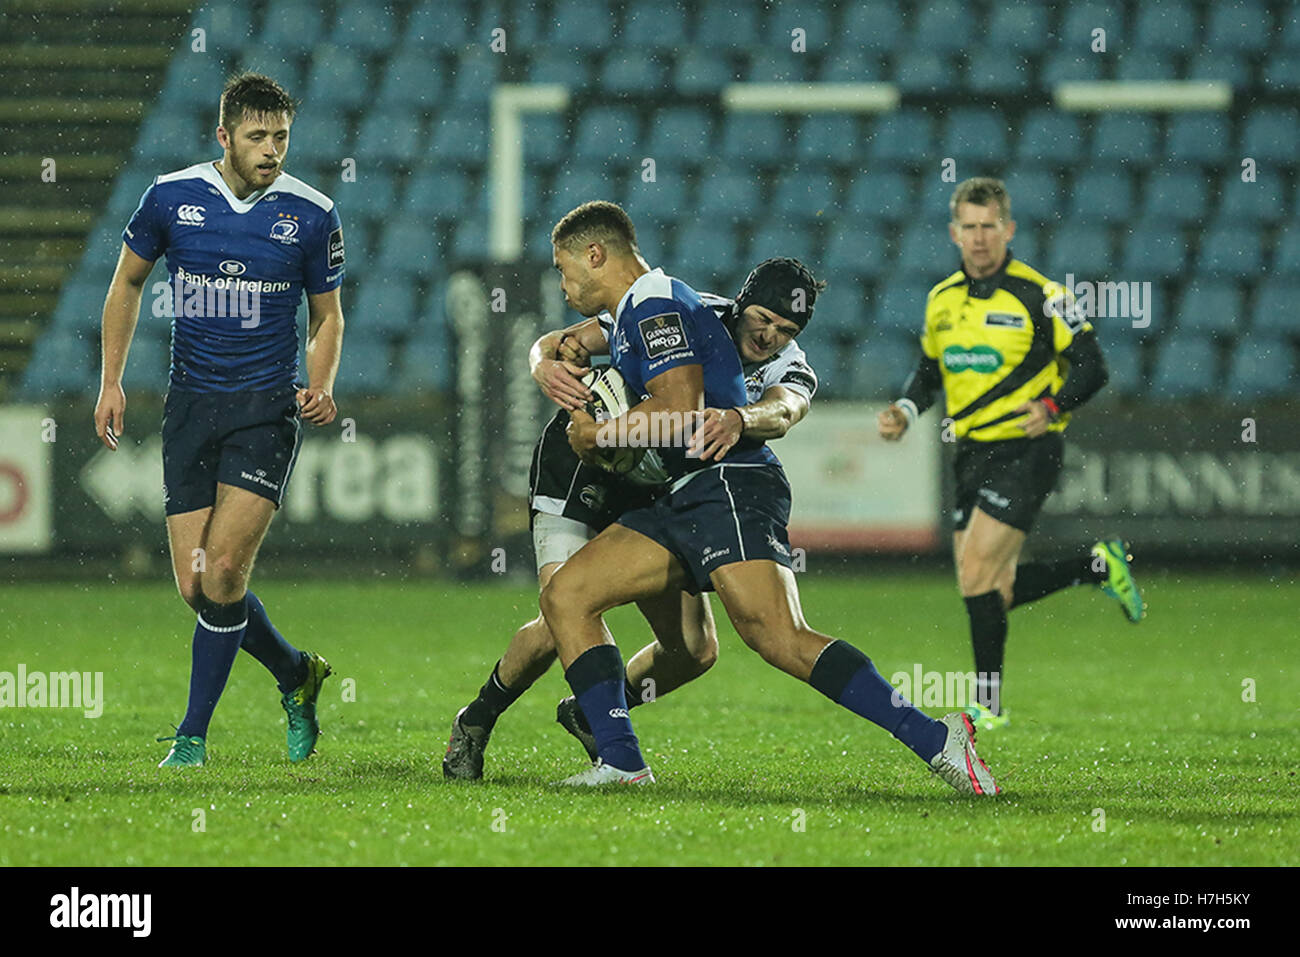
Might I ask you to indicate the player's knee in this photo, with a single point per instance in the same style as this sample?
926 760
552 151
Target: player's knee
190 591
225 579
559 598
977 575
706 656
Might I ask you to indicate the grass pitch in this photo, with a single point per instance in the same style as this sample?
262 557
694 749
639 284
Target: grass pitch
1130 744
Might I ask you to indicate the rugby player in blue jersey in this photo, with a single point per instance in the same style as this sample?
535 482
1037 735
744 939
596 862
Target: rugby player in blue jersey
721 525
243 240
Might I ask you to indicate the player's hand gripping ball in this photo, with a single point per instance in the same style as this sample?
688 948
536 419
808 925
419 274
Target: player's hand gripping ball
609 400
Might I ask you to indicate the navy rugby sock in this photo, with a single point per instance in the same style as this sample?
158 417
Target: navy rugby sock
847 676
988 636
598 682
1035 580
493 699
218 632
286 663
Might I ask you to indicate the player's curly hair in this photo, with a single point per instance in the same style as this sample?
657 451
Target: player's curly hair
982 190
253 94
598 221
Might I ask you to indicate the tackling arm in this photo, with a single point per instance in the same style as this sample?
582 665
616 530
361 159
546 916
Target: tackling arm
559 359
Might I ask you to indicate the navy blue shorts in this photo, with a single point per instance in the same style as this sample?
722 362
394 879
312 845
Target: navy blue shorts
726 514
246 439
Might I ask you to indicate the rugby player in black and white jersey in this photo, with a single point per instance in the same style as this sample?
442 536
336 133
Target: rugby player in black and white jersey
571 502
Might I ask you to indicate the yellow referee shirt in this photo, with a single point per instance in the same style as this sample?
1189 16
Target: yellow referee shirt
998 342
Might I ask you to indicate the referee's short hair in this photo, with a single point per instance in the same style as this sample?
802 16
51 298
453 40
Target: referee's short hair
598 221
982 190
253 94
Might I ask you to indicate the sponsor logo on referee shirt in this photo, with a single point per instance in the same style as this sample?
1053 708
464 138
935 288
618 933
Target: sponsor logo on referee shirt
982 359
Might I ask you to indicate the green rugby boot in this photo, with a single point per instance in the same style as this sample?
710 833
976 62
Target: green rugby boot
984 719
1119 582
186 752
300 706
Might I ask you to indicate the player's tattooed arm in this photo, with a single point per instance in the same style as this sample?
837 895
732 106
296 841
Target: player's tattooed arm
771 417
559 360
324 348
121 310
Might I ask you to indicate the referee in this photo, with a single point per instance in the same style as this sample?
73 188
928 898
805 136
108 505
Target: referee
1013 359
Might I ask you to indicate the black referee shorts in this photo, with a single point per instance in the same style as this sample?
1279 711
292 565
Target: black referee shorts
1008 480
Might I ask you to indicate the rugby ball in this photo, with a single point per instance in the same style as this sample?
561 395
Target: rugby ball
610 398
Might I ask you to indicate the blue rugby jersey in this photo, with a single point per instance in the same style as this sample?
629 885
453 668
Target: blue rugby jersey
238 270
660 324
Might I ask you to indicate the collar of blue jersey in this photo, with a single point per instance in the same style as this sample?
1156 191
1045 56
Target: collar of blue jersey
213 176
984 288
627 296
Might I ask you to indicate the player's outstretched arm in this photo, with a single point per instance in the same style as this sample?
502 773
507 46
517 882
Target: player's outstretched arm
324 348
559 359
121 310
769 418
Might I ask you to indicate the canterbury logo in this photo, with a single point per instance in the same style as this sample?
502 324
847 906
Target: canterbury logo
618 712
189 214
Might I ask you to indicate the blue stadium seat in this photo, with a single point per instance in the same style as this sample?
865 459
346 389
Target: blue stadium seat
407 247
757 138
390 138
902 135
1165 26
654 26
854 252
470 241
607 132
1102 195
1231 252
1145 65
193 81
700 72
784 66
1238 26
879 365
1274 311
727 26
682 132
63 362
366 365
805 196
945 26
288 67
575 185
1024 28
1198 138
1286 254
1081 19
475 76
1261 366
439 25
546 139
926 253
853 66
169 138
1035 197
871 25
1212 308
933 201
1051 137
338 80
976 136
459 139
786 16
925 72
842 310
372 197
581 25
412 81
384 306
705 250
780 239
1025 247
1282 74
628 72
227 23
1262 201
1124 365
320 143
900 306
365 27
663 201
147 364
1290 30
1228 67
880 195
552 66
1186 366
1083 251
996 72
1174 195
651 238
293 26
1125 137
1068 67
1154 251
729 194
427 362
1271 136
828 137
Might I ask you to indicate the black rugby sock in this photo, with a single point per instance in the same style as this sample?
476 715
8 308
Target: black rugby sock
1035 580
492 701
988 636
